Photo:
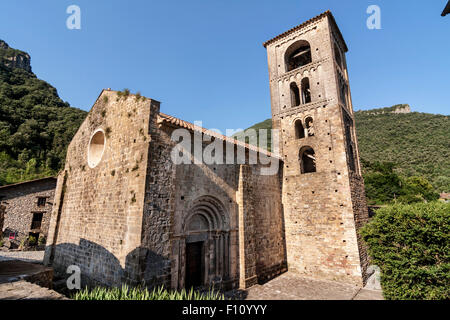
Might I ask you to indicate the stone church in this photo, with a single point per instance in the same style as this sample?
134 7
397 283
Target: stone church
124 211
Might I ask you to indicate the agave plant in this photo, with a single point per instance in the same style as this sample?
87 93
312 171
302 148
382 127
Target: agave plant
140 293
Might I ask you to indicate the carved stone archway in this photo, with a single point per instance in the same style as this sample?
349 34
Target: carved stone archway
205 227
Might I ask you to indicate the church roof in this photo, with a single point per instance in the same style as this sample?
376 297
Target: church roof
304 24
28 182
190 126
446 10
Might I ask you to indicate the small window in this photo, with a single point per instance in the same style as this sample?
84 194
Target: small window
295 95
309 126
37 220
307 159
337 56
306 91
343 91
299 130
41 201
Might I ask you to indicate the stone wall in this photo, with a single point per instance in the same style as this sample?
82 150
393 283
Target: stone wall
261 226
269 224
174 191
97 216
361 212
21 202
158 209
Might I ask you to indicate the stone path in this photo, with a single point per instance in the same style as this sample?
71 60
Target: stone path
29 256
293 287
25 265
22 290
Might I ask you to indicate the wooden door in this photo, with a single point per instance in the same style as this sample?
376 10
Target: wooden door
194 264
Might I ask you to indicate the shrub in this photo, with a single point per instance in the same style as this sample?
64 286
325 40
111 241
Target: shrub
126 293
410 244
23 244
32 240
41 241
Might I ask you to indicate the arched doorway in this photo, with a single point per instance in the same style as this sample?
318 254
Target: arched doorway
206 233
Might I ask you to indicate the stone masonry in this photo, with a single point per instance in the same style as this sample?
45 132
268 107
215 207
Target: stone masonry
23 201
324 207
131 217
124 211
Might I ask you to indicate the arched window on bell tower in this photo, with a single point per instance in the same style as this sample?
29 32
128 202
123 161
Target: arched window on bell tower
306 91
295 95
307 158
337 56
299 129
309 124
343 91
298 55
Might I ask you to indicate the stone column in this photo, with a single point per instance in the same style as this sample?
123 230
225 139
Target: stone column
221 255
226 255
216 255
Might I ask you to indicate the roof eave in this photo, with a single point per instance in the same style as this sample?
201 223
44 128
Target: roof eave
26 182
446 10
302 25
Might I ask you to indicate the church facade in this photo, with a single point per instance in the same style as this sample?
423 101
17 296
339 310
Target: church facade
126 208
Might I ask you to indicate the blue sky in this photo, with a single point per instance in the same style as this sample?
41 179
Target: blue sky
204 59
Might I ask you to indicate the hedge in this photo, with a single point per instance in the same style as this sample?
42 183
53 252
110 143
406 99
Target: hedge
410 244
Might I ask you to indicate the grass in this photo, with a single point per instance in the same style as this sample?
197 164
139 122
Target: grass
137 293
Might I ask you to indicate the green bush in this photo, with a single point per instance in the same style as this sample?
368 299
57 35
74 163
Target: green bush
383 185
23 243
41 241
410 244
126 293
32 240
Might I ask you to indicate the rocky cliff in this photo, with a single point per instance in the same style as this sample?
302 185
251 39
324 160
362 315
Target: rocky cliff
13 58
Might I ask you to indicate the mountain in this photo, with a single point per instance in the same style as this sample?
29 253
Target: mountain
418 144
35 124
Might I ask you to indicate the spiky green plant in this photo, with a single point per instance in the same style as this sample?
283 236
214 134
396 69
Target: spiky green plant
138 293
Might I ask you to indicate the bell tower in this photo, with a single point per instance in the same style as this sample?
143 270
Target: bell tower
323 191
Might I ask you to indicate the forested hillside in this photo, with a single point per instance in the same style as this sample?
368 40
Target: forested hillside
35 124
417 143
